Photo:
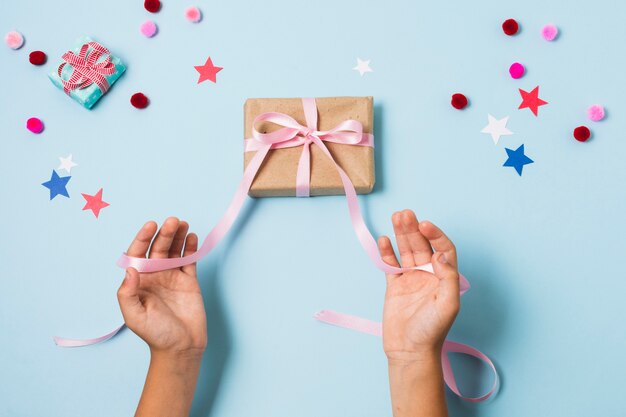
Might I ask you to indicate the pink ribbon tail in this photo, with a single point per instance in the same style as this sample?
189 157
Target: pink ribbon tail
64 342
371 327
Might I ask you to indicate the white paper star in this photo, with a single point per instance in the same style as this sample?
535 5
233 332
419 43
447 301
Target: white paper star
497 128
67 163
362 66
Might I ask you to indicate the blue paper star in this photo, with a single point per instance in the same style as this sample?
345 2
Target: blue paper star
56 185
517 159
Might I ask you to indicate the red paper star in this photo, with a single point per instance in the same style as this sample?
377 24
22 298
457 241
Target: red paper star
94 202
531 100
208 71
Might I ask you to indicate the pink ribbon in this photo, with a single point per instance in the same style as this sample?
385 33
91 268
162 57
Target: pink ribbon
371 327
86 68
293 134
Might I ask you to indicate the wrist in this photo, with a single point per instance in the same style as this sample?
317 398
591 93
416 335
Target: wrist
424 357
176 360
416 384
417 369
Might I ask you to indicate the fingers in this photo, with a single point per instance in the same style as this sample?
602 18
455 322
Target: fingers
179 240
128 297
387 253
191 246
404 246
163 241
422 251
448 279
141 243
414 248
439 241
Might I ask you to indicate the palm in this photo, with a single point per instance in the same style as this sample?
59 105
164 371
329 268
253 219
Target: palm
413 313
176 307
419 306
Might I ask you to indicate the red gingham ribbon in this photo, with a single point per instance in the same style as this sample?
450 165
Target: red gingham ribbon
86 68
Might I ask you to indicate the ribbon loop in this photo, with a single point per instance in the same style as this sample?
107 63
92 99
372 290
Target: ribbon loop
87 68
362 325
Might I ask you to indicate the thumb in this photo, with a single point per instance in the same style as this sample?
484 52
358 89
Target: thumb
448 280
128 297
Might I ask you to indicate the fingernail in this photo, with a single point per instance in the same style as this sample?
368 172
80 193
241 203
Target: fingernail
442 259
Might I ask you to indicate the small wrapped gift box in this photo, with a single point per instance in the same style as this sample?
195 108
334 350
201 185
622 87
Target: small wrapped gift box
87 72
277 175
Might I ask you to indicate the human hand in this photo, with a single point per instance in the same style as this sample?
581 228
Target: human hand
165 308
420 307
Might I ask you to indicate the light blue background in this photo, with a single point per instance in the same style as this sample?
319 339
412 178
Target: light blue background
544 252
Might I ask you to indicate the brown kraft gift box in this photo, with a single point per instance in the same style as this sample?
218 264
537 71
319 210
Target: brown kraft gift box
277 174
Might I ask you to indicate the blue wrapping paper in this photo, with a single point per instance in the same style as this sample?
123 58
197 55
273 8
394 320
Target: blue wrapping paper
89 95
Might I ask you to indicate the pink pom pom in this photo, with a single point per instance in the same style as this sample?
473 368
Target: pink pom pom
14 39
35 125
148 28
596 112
516 70
193 14
550 32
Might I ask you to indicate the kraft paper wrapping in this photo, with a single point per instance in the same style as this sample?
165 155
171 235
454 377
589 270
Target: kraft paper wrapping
277 175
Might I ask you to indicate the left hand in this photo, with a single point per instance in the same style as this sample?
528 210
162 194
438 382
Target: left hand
165 308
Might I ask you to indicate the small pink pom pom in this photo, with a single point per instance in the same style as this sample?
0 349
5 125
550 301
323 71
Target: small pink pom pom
35 125
516 70
148 28
550 32
596 112
193 14
14 39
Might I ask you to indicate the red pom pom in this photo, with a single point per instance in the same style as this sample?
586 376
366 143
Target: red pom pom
510 27
152 6
459 101
139 101
37 58
582 133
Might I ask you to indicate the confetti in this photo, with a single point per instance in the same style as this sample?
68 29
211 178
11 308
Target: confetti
57 185
208 71
595 112
37 58
152 6
517 159
193 14
362 66
510 27
496 128
582 133
35 125
14 39
549 32
459 101
94 202
516 70
66 163
531 100
139 101
148 28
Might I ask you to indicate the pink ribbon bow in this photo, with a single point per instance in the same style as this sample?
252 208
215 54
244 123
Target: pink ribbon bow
294 134
86 68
